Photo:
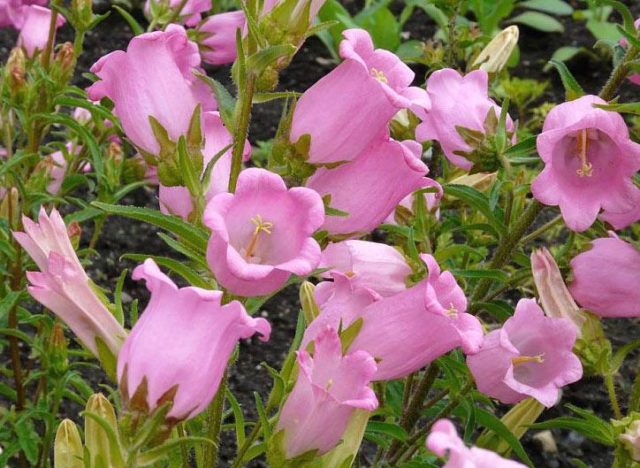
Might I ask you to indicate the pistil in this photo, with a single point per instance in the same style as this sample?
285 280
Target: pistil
586 169
260 226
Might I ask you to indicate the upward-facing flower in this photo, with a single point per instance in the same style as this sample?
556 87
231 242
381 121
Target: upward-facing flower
179 348
407 331
62 285
377 266
456 101
177 200
350 107
153 78
34 22
589 162
369 188
530 356
329 388
606 278
444 441
262 233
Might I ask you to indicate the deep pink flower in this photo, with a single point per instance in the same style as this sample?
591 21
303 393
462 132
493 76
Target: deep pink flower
177 200
456 101
341 302
351 106
377 266
190 14
371 186
219 45
62 285
530 356
154 77
262 233
606 278
329 388
407 331
34 22
589 162
184 338
444 441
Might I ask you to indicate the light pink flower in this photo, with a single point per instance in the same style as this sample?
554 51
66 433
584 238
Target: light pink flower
177 200
371 186
554 296
589 161
408 330
329 388
444 441
631 439
377 266
12 12
190 14
183 339
219 45
154 77
34 28
57 167
262 233
626 219
606 278
62 285
530 356
341 302
456 101
351 106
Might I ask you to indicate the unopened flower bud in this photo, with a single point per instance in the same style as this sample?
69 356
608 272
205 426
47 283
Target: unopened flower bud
495 55
95 437
58 350
16 69
74 231
83 10
65 60
10 206
308 302
631 439
552 290
67 448
115 152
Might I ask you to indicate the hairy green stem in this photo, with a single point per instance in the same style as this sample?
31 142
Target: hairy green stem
611 390
214 424
176 13
619 74
505 250
241 128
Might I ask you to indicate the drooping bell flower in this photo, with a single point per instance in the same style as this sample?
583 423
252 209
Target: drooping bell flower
445 442
631 439
262 233
190 14
626 219
456 101
345 111
530 356
329 388
369 188
408 330
341 302
606 278
177 200
179 348
589 162
153 77
377 266
34 28
218 46
62 285
554 296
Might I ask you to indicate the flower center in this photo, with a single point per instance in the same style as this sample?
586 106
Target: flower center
260 226
582 143
379 75
452 311
516 361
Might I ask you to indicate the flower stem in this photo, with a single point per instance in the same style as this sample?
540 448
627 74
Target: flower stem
611 389
214 424
175 15
241 128
505 250
619 74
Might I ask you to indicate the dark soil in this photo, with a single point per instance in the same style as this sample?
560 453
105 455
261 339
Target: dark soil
247 376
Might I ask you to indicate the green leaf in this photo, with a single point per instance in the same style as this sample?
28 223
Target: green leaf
119 312
539 21
195 236
478 201
572 88
624 11
226 102
28 439
620 355
384 28
522 148
587 424
497 275
604 30
563 54
390 429
555 7
490 421
259 61
157 454
262 414
238 418
191 276
131 21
